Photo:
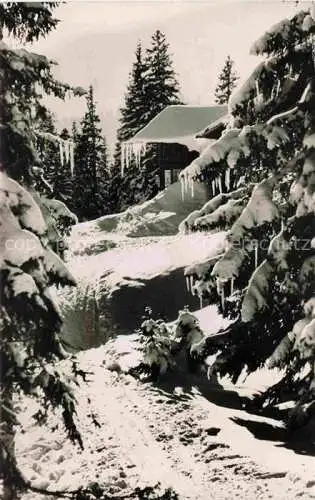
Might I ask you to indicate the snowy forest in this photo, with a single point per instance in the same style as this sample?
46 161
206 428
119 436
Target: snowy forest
158 293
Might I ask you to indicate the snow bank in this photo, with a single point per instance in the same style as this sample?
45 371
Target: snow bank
145 258
119 276
160 216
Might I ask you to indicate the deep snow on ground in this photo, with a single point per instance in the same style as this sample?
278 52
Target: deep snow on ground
184 432
104 248
194 438
144 258
119 276
159 216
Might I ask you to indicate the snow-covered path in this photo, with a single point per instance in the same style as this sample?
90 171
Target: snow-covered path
149 434
200 442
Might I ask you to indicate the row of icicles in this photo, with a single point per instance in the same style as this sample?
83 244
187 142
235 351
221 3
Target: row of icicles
66 148
187 183
131 152
220 284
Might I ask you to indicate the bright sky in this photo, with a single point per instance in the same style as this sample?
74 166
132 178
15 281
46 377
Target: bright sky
95 43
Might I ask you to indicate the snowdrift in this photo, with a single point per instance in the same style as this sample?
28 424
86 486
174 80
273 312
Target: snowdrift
119 276
160 216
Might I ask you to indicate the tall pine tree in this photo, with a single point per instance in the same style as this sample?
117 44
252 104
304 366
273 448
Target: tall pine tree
91 169
227 82
161 84
152 86
133 112
131 120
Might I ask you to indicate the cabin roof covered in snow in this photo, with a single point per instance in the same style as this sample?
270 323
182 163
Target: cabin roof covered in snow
214 130
178 122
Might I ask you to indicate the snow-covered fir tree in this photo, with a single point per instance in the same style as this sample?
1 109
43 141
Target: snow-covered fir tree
91 169
227 82
56 170
152 86
48 151
131 120
31 238
262 171
103 179
133 112
161 83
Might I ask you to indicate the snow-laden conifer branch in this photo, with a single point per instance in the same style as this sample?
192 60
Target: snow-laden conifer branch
66 148
265 280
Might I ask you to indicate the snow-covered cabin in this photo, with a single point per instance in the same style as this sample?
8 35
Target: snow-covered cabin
178 132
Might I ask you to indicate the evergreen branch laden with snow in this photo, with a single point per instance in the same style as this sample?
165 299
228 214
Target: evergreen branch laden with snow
265 280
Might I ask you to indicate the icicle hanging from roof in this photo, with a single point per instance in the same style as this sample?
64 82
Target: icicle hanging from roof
139 150
191 278
220 184
213 188
125 157
128 156
61 150
66 146
222 299
132 151
191 185
71 157
182 184
256 255
186 181
122 160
